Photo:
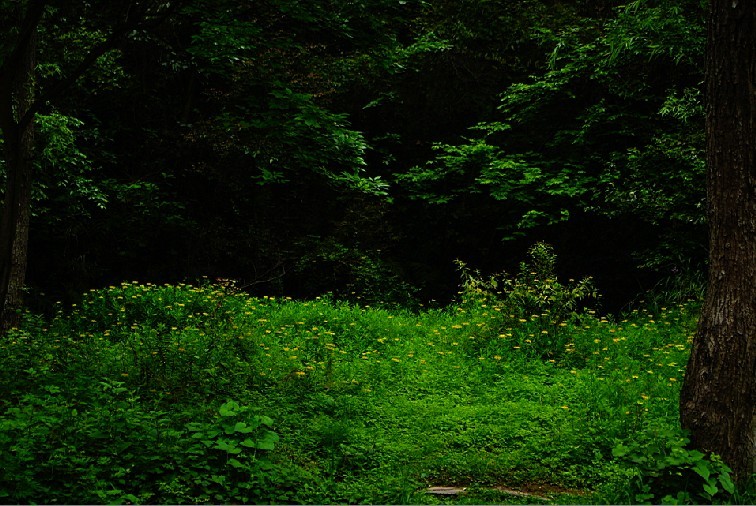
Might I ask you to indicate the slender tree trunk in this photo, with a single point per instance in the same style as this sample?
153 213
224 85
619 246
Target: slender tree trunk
18 136
14 230
717 401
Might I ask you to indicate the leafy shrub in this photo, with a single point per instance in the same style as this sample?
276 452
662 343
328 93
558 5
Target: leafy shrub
534 304
224 460
167 338
536 289
116 308
105 445
670 473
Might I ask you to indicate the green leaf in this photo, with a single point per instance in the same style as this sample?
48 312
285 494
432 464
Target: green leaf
695 456
710 489
265 445
235 463
727 483
268 441
620 451
243 428
249 443
702 469
229 409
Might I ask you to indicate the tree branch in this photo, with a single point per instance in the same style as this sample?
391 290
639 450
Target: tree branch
28 27
119 34
10 68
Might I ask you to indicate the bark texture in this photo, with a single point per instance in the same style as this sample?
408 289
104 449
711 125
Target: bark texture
16 99
717 400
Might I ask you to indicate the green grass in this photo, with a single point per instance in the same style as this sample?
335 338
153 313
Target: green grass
125 398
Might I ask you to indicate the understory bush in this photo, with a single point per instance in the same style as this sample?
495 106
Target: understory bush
534 302
102 445
668 472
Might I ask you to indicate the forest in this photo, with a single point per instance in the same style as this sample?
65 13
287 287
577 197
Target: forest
371 251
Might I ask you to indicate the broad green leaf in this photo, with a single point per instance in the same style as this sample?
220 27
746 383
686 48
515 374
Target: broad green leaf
710 489
620 450
726 482
235 463
243 428
227 446
702 469
229 409
249 443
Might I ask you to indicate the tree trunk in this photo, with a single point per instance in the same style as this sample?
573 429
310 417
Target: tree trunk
717 402
17 97
14 227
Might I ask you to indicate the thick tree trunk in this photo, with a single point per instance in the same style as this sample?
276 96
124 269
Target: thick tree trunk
717 401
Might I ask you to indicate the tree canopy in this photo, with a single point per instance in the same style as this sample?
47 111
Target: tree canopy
360 147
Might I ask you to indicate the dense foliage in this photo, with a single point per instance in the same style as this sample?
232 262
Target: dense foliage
613 127
359 148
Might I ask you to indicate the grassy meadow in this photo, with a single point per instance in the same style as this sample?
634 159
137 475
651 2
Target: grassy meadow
203 394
